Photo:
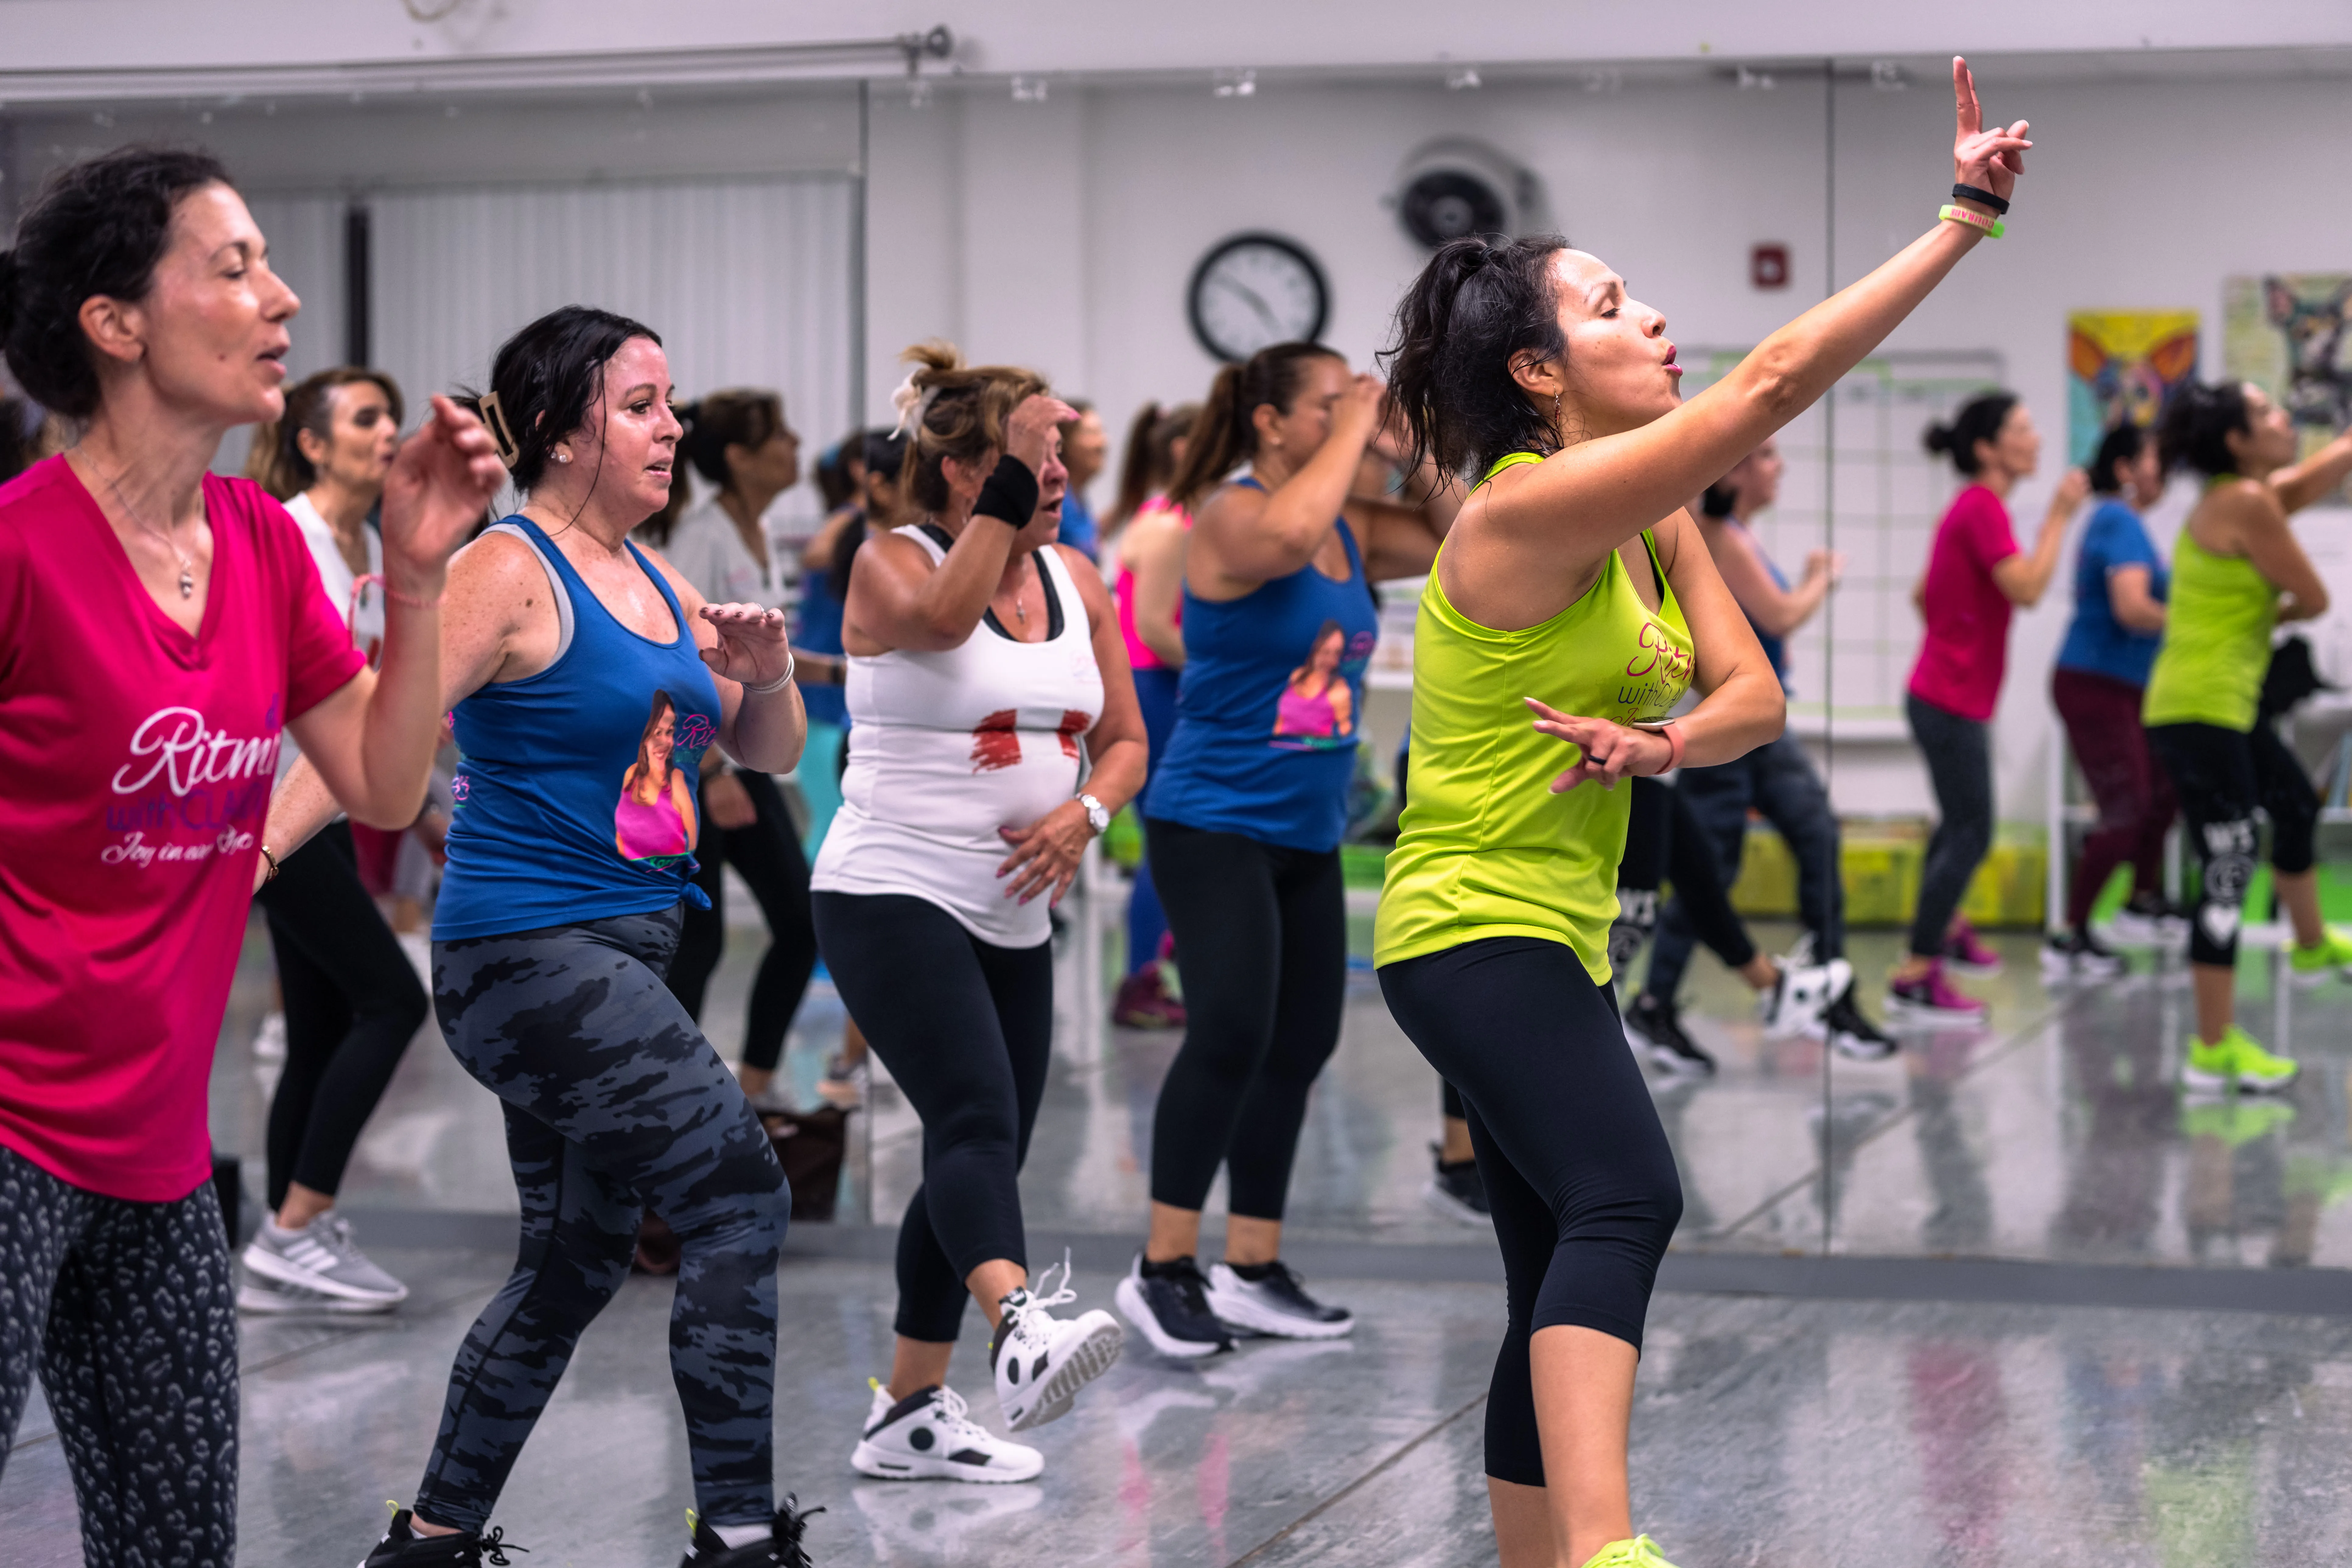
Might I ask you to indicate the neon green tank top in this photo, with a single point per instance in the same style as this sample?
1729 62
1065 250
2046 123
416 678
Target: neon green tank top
1485 848
2217 641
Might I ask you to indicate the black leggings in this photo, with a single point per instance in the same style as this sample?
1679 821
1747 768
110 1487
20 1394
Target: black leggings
1264 931
1958 754
1577 1168
768 855
352 1003
2222 776
1664 838
966 1028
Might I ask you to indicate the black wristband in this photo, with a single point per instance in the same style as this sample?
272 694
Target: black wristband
1011 493
1971 194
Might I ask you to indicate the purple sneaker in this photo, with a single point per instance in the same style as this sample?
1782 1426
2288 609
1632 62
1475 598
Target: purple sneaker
1929 1002
1966 952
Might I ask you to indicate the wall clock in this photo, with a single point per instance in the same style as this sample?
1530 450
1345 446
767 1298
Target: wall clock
1256 289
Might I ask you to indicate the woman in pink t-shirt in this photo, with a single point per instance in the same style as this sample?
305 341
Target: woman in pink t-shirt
159 627
1975 574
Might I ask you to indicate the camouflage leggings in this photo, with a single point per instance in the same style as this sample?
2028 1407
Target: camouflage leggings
614 1102
126 1311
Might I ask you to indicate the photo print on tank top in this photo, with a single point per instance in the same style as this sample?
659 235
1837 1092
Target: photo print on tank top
1319 708
656 825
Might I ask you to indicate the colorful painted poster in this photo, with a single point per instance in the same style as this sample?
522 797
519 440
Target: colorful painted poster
2124 366
2284 331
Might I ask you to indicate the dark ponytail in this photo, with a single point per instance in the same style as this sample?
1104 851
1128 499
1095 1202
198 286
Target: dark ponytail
1476 309
2198 420
1151 461
1224 437
2123 445
1979 419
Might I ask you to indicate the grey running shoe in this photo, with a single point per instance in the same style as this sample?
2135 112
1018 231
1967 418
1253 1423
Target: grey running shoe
264 1297
322 1256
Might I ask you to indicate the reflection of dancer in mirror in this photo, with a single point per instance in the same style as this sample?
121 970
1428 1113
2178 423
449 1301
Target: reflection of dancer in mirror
654 822
1561 579
1777 782
2236 572
2098 685
1975 575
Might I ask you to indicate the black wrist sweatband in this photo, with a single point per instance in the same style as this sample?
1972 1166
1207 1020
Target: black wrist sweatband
1011 493
1971 194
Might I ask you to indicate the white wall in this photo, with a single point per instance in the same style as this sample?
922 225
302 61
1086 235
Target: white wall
1081 218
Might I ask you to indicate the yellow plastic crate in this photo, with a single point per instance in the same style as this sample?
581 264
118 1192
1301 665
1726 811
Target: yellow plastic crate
1881 866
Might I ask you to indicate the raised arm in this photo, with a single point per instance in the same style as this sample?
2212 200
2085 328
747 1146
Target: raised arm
745 646
1593 496
1243 537
2314 477
897 599
2024 578
1774 610
1401 533
1154 548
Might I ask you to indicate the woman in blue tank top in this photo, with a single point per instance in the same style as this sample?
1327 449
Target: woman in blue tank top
1246 813
587 679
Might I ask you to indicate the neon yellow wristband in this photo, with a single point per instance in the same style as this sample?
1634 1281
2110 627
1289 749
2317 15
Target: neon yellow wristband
1991 227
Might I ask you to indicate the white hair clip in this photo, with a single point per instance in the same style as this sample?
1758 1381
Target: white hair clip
911 403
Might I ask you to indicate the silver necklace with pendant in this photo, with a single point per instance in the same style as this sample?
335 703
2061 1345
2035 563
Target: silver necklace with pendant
187 566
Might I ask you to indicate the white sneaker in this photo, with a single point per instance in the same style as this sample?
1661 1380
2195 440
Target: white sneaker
1040 1362
1804 993
1277 1305
929 1436
322 1256
266 1298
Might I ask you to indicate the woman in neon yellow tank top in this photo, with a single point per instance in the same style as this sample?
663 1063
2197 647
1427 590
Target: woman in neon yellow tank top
1573 602
2236 572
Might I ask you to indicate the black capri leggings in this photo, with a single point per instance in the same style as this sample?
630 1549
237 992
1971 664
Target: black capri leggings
1577 1168
768 855
966 1028
1264 934
1958 754
352 1003
2222 776
1663 837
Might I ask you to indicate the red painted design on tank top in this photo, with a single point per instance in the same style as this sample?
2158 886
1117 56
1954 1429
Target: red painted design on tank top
996 742
1074 725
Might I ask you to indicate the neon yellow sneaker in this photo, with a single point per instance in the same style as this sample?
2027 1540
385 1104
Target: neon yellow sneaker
2330 956
1639 1552
2235 1060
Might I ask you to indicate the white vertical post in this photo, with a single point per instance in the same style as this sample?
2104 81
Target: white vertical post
1086 1037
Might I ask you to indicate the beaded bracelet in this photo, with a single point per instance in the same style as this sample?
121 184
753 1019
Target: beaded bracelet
1990 227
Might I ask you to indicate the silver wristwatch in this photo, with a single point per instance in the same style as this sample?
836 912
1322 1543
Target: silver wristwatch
1097 815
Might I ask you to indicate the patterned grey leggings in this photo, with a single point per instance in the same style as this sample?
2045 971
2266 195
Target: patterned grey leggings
613 1101
127 1310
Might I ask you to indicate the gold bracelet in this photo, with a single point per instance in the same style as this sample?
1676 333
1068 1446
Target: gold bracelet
266 855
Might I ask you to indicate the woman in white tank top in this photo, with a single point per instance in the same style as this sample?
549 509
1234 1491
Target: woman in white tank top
994 733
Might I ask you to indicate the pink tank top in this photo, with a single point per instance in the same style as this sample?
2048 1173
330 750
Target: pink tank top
649 831
1138 652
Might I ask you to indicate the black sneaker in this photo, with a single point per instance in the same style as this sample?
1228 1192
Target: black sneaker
1852 1035
1655 1028
1168 1305
1457 1192
783 1549
1268 1298
2079 955
402 1547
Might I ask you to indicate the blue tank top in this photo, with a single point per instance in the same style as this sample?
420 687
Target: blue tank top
820 632
1776 649
576 787
1270 708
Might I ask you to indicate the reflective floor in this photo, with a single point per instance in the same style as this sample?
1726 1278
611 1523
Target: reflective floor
1767 1432
2054 1134
1914 1429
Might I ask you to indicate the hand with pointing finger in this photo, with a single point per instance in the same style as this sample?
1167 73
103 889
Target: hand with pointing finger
1607 750
1989 160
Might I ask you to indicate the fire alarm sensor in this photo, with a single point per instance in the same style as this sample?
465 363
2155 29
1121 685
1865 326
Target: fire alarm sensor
1768 267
